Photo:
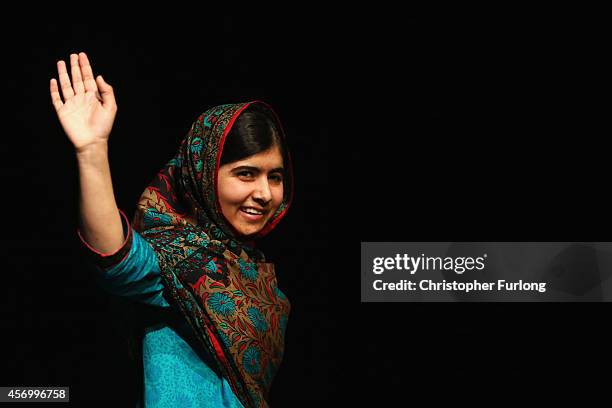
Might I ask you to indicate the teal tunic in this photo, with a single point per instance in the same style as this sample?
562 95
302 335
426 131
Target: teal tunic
174 375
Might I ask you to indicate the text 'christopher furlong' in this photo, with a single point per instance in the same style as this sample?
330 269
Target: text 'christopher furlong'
475 286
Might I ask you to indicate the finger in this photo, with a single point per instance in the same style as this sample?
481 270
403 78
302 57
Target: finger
107 93
75 70
55 95
88 77
64 80
99 97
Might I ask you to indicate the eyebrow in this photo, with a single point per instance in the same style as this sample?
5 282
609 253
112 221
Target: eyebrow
257 169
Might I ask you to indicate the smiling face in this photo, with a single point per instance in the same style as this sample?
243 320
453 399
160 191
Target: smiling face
251 190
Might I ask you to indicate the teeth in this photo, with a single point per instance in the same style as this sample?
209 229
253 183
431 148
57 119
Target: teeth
251 211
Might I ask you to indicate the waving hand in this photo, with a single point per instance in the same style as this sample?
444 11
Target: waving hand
88 108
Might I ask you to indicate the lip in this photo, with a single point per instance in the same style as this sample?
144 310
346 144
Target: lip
252 217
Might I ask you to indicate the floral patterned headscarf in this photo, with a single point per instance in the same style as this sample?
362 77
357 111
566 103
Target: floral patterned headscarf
223 286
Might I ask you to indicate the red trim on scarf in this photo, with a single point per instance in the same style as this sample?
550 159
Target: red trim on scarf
218 348
103 255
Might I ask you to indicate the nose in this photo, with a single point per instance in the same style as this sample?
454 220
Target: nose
262 194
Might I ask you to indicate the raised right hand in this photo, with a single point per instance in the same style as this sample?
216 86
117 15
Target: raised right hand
89 108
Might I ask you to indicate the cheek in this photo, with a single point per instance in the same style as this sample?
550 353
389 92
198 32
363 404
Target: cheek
277 196
231 194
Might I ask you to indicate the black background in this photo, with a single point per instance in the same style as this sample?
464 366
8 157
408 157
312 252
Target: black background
401 129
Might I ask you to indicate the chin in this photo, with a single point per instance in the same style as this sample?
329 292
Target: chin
249 232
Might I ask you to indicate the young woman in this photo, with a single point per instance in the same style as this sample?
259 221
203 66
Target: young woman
189 251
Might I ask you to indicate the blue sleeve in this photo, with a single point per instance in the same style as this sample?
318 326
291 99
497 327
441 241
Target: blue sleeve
137 276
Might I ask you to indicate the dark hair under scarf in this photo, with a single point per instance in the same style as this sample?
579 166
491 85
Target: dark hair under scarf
223 286
253 132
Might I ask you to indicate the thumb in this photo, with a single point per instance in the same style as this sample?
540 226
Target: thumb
106 92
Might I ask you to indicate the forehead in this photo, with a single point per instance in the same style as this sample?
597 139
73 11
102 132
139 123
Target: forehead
268 159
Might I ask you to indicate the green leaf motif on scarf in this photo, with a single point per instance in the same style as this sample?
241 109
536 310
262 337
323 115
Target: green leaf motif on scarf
222 304
153 218
250 360
206 122
225 339
175 162
217 233
199 166
259 322
237 293
248 270
196 145
211 266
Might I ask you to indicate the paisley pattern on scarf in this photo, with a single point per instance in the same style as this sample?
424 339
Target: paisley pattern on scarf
224 287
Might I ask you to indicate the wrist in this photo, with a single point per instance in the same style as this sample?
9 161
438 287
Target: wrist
93 151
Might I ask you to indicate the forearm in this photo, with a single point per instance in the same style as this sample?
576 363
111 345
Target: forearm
100 221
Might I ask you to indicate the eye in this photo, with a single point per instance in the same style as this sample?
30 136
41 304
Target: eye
245 174
277 178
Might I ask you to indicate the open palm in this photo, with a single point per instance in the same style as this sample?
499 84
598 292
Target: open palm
88 110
